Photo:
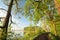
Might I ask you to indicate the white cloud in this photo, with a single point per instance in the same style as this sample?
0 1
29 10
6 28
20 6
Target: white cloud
2 13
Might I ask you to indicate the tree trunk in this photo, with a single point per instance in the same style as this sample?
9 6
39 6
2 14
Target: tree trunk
6 21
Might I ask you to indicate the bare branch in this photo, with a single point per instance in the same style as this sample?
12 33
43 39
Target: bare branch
3 9
2 27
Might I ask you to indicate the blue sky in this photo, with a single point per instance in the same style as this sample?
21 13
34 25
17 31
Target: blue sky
22 22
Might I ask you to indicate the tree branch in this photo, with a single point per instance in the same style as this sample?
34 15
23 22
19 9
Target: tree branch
2 27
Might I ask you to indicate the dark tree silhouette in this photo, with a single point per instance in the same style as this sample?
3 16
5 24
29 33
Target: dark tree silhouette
6 21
